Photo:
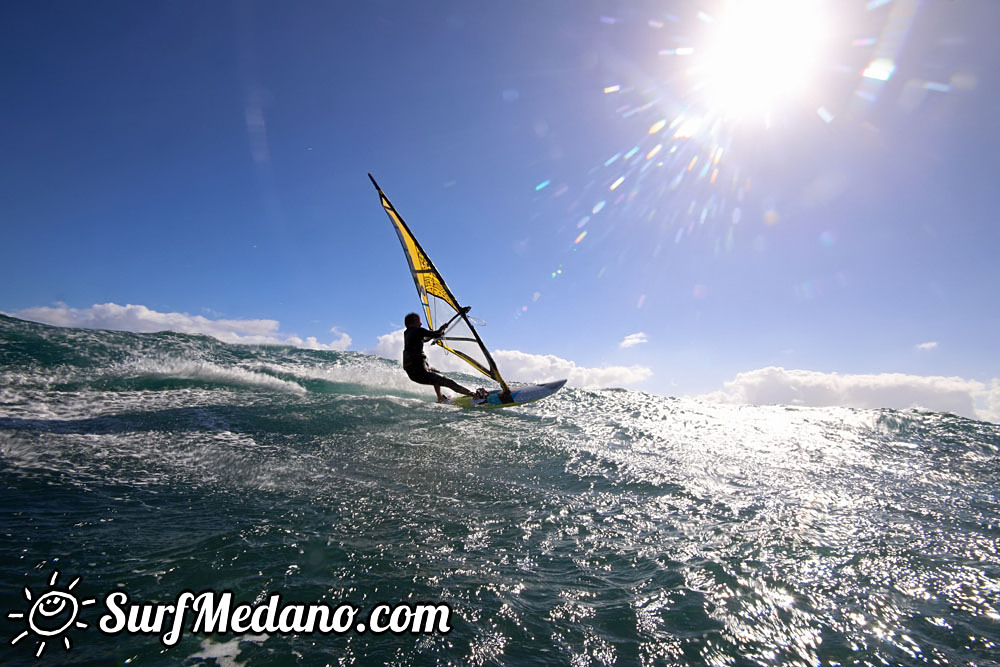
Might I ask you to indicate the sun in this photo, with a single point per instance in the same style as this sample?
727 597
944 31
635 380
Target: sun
759 55
51 614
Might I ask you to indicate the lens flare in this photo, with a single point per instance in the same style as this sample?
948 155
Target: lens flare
733 78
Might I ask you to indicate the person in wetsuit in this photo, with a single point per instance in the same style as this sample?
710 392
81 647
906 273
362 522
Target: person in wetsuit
415 361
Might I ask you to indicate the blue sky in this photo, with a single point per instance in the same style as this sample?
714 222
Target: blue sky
815 193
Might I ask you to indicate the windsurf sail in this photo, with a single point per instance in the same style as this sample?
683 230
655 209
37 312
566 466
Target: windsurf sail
439 304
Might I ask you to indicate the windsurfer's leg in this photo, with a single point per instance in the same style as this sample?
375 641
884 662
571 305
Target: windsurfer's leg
451 384
423 376
441 381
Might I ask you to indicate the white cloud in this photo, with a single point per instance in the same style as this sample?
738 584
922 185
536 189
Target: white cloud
525 367
924 347
991 412
143 320
547 367
312 343
343 342
390 345
633 339
774 385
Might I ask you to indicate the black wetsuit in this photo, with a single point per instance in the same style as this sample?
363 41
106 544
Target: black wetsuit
415 361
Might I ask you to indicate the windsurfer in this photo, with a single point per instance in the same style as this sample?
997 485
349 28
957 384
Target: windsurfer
415 361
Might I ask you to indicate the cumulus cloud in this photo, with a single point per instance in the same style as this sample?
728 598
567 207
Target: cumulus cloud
774 385
991 411
548 367
390 345
144 320
341 343
525 367
633 339
924 347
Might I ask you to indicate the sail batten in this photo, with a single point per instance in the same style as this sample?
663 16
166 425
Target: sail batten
434 294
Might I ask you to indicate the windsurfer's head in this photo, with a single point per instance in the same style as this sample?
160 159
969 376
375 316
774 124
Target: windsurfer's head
412 320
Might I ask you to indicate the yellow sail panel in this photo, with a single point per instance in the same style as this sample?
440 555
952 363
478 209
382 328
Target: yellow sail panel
424 274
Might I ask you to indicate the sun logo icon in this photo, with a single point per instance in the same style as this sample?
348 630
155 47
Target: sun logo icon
51 614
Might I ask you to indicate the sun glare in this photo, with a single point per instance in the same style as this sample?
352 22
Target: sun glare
759 55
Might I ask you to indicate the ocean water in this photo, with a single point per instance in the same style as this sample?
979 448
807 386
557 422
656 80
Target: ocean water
591 528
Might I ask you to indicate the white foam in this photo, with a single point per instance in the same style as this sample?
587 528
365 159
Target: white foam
225 653
366 372
194 369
